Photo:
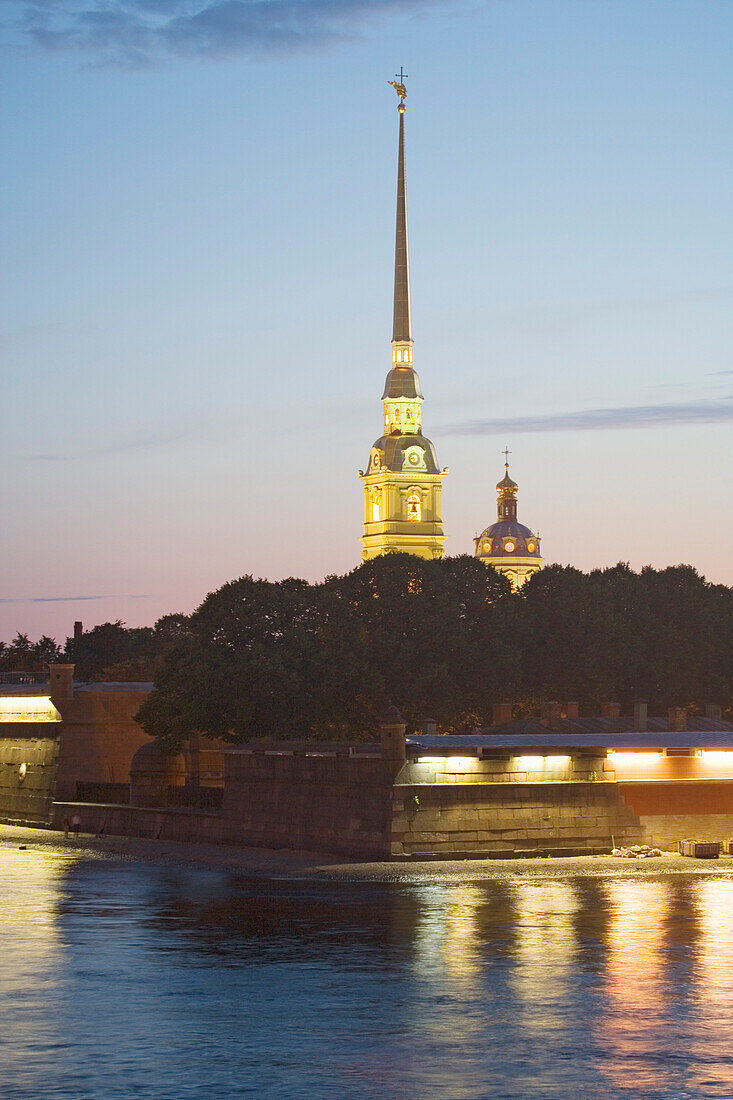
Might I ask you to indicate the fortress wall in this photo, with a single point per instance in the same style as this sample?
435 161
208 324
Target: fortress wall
366 807
350 805
27 800
695 809
99 738
338 803
459 820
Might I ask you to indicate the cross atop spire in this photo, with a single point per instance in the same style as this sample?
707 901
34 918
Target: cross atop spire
506 452
402 321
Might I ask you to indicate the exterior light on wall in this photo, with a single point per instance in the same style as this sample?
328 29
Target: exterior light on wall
21 772
430 759
717 756
28 708
537 762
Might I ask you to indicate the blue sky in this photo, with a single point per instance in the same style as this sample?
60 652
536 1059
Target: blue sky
197 233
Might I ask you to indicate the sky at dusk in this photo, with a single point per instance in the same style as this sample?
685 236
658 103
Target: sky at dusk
197 235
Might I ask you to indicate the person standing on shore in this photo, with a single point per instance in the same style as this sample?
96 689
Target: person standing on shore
75 824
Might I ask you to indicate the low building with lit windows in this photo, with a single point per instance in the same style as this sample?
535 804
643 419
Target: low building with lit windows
508 545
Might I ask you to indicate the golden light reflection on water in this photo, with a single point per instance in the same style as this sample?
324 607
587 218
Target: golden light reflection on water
446 936
29 942
636 993
713 984
544 951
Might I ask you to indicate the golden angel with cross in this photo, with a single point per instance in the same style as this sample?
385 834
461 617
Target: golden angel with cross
399 83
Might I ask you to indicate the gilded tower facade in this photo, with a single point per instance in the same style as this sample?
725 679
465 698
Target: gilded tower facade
402 481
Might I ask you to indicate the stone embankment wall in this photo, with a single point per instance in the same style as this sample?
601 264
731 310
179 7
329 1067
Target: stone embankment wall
26 799
158 823
670 812
459 820
370 806
351 805
338 803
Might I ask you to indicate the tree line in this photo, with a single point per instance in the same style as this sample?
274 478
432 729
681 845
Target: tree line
441 639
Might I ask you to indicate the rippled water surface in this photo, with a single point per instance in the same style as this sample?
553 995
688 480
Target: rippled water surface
124 978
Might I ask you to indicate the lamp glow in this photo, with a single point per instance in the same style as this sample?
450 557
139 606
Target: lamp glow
538 762
28 708
458 763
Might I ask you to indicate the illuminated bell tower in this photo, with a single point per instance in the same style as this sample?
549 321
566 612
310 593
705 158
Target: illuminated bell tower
403 482
508 545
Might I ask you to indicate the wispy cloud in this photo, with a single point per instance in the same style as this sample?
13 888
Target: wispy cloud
65 599
141 32
635 416
124 446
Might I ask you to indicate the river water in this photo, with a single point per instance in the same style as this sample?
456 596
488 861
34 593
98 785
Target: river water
125 978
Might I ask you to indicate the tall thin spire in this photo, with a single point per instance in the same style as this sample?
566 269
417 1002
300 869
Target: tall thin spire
402 321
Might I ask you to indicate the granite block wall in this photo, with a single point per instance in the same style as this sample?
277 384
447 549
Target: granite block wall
26 799
329 803
459 820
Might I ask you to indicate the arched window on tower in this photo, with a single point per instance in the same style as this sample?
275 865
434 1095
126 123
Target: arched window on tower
414 508
375 508
408 416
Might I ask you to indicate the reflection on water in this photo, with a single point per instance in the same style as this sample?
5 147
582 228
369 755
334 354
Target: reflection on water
544 952
635 992
125 979
713 986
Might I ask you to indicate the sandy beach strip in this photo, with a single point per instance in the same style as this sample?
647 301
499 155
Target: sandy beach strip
266 863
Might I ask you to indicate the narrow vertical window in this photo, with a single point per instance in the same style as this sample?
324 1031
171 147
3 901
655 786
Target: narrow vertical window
375 508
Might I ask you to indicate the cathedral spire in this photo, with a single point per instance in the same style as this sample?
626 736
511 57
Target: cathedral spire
402 481
402 321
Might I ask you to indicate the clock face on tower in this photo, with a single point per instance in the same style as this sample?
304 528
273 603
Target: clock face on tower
414 458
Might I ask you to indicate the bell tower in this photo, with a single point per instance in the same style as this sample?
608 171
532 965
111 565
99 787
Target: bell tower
508 545
402 482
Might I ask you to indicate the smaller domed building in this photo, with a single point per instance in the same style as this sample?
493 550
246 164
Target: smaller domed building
508 545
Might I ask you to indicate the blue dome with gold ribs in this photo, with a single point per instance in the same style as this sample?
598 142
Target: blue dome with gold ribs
508 539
